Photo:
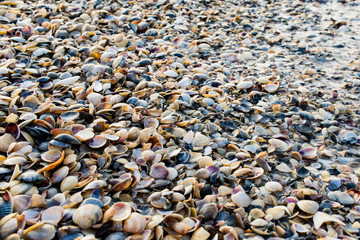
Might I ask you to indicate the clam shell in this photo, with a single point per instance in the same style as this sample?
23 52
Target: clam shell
308 153
21 203
84 135
273 186
52 215
241 199
209 211
15 161
87 216
118 212
271 87
259 223
256 213
159 171
279 145
136 223
8 227
200 140
60 174
97 141
275 213
244 85
308 206
40 231
51 156
69 183
300 228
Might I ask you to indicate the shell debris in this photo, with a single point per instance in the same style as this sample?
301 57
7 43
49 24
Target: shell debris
179 119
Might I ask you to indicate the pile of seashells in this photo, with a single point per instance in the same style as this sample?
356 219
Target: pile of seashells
179 119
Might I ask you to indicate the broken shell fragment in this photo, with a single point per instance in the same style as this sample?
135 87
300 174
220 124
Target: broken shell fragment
320 218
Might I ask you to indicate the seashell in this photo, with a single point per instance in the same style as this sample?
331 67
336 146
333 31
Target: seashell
151 123
274 213
159 171
308 206
241 199
224 191
13 130
200 234
40 51
209 211
256 213
229 233
51 156
60 174
67 81
278 145
5 141
66 138
95 184
259 223
155 221
97 141
19 160
123 183
283 167
13 236
345 198
46 85
116 236
203 173
205 161
69 116
84 135
136 223
186 225
300 228
87 216
118 212
20 188
308 153
20 148
320 218
354 193
37 201
171 73
6 204
173 173
40 230
273 186
244 85
200 140
348 137
8 225
148 155
69 183
21 203
52 215
171 219
247 173
271 87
